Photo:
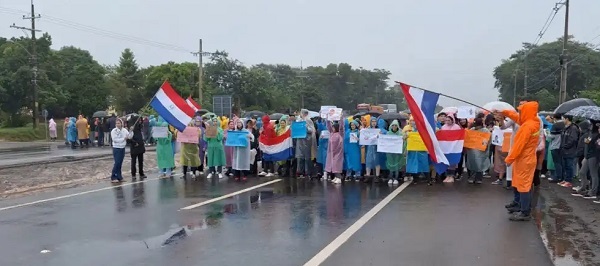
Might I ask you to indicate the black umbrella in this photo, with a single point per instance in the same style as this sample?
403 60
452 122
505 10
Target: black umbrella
100 114
374 113
389 117
572 104
253 114
201 112
275 116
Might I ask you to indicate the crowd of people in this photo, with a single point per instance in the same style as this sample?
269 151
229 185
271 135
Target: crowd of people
552 147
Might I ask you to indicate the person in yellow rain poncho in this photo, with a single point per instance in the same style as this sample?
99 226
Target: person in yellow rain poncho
190 158
417 162
522 156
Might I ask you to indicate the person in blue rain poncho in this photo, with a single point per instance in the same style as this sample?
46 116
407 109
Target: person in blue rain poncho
322 145
372 159
382 158
352 150
72 132
417 162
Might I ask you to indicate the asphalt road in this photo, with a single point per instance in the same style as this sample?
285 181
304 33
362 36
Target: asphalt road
287 222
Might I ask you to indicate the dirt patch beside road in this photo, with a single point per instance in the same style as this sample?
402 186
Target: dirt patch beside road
22 181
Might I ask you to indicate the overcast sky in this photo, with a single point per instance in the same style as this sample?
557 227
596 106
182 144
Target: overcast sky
448 46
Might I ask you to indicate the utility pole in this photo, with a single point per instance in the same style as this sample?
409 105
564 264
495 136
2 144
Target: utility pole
34 62
563 58
515 88
200 54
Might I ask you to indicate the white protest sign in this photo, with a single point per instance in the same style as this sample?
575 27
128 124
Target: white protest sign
160 132
325 134
497 136
353 137
335 114
325 110
390 144
466 112
368 136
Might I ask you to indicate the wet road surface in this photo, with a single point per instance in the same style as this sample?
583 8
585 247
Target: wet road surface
285 223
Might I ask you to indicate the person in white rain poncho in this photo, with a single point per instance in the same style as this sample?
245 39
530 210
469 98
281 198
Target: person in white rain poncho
242 157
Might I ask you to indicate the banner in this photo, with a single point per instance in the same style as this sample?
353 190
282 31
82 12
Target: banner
414 142
298 130
189 135
506 143
237 138
368 136
390 144
477 140
160 132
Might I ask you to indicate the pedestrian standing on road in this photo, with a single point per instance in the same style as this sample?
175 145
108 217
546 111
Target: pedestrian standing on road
250 125
304 147
164 151
242 155
335 151
522 156
119 141
590 164
228 150
100 128
65 130
52 129
137 150
189 157
201 143
72 132
82 134
215 151
478 161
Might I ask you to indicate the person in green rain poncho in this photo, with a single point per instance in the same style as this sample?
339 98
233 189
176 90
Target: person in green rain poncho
215 151
164 151
395 162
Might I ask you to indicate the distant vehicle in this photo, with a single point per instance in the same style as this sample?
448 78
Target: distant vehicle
389 108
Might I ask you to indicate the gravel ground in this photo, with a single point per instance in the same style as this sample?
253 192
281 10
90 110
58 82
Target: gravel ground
22 181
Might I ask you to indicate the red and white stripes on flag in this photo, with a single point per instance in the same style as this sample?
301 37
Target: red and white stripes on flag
192 103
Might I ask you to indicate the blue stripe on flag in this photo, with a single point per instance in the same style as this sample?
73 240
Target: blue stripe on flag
428 105
453 158
166 115
280 156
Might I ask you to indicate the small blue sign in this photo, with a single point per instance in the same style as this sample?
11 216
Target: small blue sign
299 130
237 138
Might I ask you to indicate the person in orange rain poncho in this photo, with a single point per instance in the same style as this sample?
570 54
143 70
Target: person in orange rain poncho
522 156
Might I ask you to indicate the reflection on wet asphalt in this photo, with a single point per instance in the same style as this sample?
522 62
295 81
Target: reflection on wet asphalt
569 226
284 223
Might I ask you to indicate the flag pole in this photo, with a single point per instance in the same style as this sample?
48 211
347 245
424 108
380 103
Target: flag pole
447 96
148 104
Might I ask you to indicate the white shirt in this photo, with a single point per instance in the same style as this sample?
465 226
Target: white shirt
119 137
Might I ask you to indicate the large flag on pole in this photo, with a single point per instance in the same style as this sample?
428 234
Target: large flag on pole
171 107
422 105
192 103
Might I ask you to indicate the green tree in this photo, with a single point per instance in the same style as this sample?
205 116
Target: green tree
542 65
130 95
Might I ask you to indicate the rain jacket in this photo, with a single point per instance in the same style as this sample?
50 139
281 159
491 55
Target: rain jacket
522 155
72 130
190 152
164 148
569 140
214 147
82 125
323 143
304 146
335 150
136 140
585 127
242 158
352 150
395 162
371 155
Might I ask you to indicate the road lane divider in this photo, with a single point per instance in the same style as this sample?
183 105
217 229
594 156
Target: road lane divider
200 204
80 193
343 237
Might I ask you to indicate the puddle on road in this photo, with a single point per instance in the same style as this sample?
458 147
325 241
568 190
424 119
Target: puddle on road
566 236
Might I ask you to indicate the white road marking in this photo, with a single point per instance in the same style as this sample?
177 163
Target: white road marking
343 237
78 194
229 195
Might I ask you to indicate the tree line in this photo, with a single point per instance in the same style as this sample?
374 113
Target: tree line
541 65
72 82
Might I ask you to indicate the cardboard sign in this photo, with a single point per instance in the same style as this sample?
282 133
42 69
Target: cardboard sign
189 135
414 142
477 140
390 144
211 132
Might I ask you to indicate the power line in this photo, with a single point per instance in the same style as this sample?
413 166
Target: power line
102 32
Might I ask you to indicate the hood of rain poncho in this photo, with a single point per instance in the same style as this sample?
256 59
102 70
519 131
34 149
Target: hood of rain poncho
366 120
161 122
355 123
235 124
395 122
279 129
309 123
373 119
72 120
528 111
381 124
